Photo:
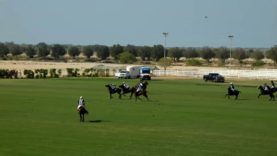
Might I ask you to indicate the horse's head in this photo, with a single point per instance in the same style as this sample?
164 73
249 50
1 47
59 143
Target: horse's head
108 86
145 84
121 86
261 88
229 89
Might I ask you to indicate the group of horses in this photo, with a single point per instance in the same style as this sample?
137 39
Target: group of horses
134 91
270 92
122 90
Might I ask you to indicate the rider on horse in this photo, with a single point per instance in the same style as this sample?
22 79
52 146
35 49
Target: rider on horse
125 85
140 86
272 85
232 91
81 103
81 108
113 86
232 87
266 88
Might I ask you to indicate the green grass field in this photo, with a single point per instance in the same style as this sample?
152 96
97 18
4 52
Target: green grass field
183 117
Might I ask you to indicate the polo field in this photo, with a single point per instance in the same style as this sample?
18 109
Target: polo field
181 117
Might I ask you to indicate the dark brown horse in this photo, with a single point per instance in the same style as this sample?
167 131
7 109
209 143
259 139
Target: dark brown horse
267 92
113 90
142 91
127 90
232 93
82 111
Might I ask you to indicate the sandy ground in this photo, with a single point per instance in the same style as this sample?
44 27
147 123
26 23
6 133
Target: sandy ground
31 65
182 71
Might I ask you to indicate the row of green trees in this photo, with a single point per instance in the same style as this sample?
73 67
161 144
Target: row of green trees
129 53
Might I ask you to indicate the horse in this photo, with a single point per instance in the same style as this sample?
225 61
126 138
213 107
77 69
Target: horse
82 111
267 92
127 90
113 90
141 92
232 93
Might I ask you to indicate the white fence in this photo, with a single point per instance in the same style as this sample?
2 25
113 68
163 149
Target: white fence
227 73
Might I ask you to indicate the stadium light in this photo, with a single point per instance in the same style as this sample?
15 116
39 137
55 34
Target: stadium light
231 40
165 35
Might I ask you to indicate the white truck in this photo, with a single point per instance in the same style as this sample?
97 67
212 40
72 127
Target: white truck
131 72
122 74
145 73
134 71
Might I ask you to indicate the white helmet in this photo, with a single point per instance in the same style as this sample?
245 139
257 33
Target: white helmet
81 97
231 83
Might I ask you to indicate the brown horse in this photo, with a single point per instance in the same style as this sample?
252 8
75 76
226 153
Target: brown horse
113 90
127 90
267 92
140 92
82 111
232 93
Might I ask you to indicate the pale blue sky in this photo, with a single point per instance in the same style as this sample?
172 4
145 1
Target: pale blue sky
140 22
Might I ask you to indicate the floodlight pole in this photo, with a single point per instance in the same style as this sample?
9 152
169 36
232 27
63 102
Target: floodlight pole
231 40
165 35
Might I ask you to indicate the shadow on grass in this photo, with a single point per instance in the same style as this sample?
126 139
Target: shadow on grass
98 121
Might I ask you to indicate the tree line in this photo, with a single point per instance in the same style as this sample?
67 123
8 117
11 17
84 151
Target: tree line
128 53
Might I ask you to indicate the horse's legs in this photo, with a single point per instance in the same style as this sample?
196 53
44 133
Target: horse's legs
119 96
228 96
145 95
136 96
272 97
131 94
81 118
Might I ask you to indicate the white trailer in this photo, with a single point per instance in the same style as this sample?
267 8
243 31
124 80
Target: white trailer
134 71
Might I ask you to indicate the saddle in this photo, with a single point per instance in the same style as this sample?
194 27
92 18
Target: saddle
83 110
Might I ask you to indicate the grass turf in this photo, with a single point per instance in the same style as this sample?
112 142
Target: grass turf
183 117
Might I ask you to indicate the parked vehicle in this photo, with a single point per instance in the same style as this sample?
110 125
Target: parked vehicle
145 73
215 77
123 74
134 71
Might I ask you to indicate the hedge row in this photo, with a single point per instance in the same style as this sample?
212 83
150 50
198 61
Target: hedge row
53 73
8 74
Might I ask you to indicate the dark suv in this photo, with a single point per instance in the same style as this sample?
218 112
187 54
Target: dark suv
215 77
